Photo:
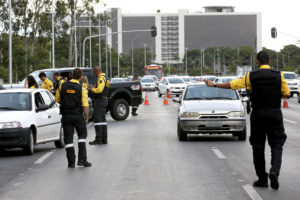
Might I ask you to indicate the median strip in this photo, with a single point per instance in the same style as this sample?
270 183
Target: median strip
218 153
252 192
43 158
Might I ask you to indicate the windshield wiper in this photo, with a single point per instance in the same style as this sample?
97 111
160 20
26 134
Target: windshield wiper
9 108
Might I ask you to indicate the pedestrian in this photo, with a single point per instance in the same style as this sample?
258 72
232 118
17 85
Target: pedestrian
266 87
135 107
74 108
100 94
30 82
58 81
47 84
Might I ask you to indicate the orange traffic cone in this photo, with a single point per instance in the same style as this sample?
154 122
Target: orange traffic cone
285 103
146 99
166 102
169 95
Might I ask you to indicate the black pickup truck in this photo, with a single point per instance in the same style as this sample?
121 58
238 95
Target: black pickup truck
120 96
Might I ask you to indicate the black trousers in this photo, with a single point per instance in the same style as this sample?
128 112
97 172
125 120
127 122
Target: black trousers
267 123
99 118
69 123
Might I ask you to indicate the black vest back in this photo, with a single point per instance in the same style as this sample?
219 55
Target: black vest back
266 89
71 94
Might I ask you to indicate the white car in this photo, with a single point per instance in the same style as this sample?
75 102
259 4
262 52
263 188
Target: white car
148 84
173 84
225 79
29 117
187 79
292 81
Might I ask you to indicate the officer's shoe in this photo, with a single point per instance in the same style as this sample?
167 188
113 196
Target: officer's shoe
71 165
95 142
274 180
261 183
134 114
84 163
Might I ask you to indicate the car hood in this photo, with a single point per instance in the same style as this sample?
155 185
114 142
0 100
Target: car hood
178 85
292 80
12 116
212 106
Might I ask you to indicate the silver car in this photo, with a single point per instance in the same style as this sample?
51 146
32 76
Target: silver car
209 110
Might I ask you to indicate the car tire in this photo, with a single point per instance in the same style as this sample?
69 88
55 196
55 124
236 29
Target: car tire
242 135
29 148
60 143
119 110
182 136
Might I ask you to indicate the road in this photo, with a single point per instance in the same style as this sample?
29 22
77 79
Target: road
144 160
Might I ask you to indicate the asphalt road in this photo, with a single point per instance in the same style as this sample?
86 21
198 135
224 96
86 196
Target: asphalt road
144 160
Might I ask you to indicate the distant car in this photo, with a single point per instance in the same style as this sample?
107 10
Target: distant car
225 79
196 79
187 80
212 78
116 80
29 117
2 88
175 85
292 81
148 84
210 110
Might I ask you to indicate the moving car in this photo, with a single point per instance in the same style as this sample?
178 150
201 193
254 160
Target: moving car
210 110
148 84
292 81
173 84
29 117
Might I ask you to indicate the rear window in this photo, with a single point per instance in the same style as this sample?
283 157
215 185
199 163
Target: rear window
148 80
290 76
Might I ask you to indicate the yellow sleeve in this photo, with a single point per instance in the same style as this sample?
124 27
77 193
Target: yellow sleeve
240 83
84 98
50 85
60 82
57 96
101 85
284 86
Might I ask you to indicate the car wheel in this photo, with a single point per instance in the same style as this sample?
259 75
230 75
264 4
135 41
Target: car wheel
29 148
242 135
182 136
60 143
119 110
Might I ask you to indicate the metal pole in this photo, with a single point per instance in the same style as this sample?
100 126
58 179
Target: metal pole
203 60
10 46
110 63
75 37
106 62
214 61
186 61
145 58
132 58
53 45
118 65
90 31
277 60
99 41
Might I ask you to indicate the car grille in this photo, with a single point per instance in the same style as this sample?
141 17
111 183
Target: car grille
177 88
223 128
213 117
292 84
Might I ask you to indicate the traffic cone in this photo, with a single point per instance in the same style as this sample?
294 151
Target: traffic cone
166 102
146 102
169 95
285 103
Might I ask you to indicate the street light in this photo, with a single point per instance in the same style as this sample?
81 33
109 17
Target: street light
53 50
10 46
75 37
145 56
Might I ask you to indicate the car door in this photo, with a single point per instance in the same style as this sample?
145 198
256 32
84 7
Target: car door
54 119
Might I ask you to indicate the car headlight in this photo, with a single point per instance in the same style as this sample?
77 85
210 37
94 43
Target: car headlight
190 115
4 125
236 114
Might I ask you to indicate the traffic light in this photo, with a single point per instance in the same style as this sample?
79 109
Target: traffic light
153 31
273 32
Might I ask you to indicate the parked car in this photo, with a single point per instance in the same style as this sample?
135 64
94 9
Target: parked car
120 95
292 81
154 78
210 110
116 80
173 84
148 84
29 117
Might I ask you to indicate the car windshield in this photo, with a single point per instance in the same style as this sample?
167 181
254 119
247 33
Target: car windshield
115 80
175 80
37 79
290 76
202 92
186 79
148 80
15 101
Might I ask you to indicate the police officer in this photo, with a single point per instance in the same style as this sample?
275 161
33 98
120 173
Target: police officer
58 81
266 87
135 107
100 94
74 107
47 84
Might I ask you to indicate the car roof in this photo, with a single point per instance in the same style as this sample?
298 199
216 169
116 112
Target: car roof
21 90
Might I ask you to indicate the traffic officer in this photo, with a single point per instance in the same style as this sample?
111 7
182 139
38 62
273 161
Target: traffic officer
266 87
135 108
58 81
74 107
100 94
47 84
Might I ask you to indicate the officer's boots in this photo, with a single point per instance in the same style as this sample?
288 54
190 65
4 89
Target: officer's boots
71 157
98 139
104 136
82 160
262 181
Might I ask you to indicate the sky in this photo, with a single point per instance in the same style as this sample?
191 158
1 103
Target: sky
284 15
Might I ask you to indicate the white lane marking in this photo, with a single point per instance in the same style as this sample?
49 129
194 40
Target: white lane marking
252 192
290 121
218 153
43 158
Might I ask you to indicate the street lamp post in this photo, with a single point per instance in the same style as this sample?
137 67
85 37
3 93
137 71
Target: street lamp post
186 61
10 46
100 41
53 45
145 56
203 59
90 32
75 37
110 62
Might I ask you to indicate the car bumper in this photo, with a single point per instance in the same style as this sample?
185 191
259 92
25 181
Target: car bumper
293 89
153 87
200 126
176 91
13 137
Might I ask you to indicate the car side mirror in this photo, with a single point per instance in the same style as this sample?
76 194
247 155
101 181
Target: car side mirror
176 100
42 107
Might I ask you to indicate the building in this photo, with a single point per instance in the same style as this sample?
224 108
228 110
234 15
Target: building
218 26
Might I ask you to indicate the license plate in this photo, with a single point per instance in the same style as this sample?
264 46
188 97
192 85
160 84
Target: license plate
148 85
213 124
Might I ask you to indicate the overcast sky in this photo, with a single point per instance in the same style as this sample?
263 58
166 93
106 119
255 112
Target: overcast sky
284 15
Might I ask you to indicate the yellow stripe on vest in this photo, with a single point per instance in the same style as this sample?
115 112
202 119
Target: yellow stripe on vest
71 91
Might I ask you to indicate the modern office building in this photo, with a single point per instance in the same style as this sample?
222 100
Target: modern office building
218 26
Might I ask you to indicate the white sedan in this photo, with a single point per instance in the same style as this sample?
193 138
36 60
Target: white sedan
148 84
29 117
173 84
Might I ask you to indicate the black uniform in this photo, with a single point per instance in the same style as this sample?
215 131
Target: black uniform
72 117
266 119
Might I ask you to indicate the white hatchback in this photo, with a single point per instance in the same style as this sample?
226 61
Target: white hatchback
29 117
